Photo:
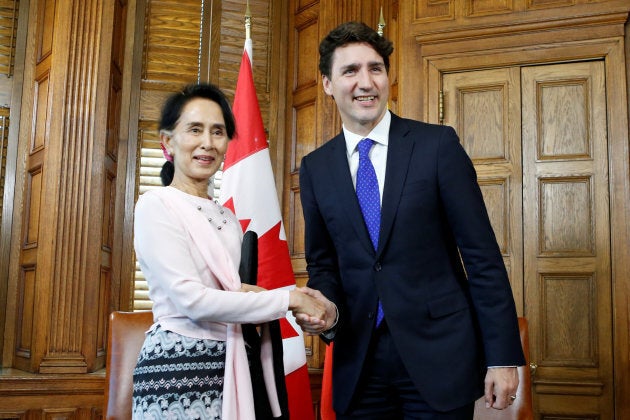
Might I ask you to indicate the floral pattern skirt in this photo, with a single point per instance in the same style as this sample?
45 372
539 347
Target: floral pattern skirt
178 377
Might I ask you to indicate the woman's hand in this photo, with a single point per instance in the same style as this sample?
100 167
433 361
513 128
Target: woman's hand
314 324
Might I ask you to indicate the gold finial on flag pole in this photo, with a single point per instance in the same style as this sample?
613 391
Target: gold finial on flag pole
381 23
248 22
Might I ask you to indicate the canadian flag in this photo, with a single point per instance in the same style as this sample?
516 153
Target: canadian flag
249 190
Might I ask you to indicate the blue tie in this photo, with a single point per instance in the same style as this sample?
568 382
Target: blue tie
369 199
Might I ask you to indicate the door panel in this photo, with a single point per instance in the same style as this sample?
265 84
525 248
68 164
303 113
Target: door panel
484 107
566 229
538 139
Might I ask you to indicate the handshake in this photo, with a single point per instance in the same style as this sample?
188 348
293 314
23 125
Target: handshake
312 310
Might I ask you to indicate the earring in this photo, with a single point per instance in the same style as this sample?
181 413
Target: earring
168 155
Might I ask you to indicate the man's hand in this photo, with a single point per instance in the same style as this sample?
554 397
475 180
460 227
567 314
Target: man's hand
314 326
501 384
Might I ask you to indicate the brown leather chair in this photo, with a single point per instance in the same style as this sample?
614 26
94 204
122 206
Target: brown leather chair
522 409
125 338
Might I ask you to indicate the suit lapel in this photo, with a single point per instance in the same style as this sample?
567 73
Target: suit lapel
398 158
347 196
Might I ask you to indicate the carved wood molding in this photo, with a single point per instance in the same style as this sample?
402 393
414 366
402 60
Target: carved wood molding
493 30
15 383
435 21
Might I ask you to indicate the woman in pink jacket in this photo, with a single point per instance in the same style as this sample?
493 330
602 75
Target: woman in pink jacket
193 363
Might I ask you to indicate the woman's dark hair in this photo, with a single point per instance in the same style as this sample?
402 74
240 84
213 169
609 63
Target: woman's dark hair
352 33
172 111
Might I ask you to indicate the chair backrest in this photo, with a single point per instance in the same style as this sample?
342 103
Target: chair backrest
125 338
522 409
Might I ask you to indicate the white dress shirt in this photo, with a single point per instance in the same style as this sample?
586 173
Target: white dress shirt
378 154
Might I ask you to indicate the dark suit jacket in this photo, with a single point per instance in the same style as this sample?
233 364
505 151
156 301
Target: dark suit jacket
449 321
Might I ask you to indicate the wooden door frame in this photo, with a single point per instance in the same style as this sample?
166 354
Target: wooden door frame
611 51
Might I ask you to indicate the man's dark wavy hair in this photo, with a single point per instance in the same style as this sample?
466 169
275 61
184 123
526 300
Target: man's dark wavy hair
172 111
352 33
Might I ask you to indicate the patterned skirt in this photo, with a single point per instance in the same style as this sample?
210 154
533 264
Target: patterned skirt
178 377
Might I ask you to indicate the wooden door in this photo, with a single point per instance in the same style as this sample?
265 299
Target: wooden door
538 138
567 237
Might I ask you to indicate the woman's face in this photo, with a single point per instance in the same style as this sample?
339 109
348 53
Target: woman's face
198 143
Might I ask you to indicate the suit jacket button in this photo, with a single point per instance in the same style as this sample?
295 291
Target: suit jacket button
370 315
377 266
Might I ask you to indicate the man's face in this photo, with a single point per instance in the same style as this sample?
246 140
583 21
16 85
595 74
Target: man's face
360 86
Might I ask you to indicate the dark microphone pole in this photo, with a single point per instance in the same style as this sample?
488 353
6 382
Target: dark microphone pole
248 268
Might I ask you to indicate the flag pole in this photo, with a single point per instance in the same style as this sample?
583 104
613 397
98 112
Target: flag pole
248 22
248 189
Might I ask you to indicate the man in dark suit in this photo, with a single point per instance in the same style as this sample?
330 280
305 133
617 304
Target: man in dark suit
432 263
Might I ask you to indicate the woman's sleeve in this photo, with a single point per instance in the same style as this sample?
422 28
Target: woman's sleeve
163 250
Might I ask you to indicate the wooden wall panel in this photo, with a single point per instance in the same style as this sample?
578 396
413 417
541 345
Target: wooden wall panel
484 122
33 206
26 302
110 187
306 132
76 397
496 194
4 141
307 56
572 139
45 27
429 10
568 300
41 108
567 224
431 20
26 356
13 414
541 4
488 7
302 131
75 163
66 196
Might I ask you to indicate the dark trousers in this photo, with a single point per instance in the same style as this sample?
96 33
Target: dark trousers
386 391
